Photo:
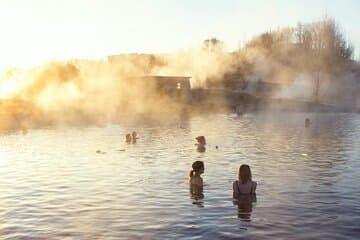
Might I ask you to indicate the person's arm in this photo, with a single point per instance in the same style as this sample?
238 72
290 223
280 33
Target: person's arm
201 183
235 190
198 181
253 190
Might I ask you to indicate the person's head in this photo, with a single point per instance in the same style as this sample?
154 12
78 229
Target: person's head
244 173
197 168
134 134
128 137
201 140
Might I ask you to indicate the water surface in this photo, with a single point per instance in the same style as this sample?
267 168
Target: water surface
53 184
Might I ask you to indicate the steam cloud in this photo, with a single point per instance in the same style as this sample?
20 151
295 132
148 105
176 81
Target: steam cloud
96 92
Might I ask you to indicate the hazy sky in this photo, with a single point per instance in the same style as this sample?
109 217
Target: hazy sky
35 31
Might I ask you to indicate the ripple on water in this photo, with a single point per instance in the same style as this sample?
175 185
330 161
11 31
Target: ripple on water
54 185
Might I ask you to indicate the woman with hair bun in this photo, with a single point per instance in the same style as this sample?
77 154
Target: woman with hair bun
196 182
197 170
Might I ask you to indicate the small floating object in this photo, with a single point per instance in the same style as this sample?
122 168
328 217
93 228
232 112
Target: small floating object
100 152
305 154
121 150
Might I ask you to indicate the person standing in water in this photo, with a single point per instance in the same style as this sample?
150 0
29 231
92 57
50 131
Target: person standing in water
131 138
201 142
196 181
128 138
244 185
134 137
244 193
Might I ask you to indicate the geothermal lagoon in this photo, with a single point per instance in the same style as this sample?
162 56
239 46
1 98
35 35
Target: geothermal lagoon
54 184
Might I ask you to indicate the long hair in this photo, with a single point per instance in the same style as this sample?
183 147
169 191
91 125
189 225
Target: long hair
244 173
196 167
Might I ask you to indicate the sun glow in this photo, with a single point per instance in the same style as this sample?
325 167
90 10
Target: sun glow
57 96
9 84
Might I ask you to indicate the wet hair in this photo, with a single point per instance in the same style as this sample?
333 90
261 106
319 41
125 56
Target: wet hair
244 173
196 167
201 140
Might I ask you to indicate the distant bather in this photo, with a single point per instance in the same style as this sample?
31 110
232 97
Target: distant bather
201 140
128 138
134 137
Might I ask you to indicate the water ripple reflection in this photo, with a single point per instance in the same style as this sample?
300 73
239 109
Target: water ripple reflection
53 184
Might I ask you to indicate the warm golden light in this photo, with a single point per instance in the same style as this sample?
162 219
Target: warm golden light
9 84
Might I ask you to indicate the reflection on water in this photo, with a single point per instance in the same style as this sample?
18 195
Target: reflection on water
53 184
245 206
197 194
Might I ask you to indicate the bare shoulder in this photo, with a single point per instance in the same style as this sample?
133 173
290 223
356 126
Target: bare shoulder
196 181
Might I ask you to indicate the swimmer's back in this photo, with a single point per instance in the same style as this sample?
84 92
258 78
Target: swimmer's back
244 188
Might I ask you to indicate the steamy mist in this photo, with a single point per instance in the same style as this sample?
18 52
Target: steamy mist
310 62
156 119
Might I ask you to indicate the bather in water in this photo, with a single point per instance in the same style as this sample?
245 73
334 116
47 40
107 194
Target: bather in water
196 181
244 192
128 138
201 142
244 185
134 136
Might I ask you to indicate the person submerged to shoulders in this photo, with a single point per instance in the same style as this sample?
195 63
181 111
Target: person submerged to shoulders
201 142
196 181
128 138
134 137
245 185
195 174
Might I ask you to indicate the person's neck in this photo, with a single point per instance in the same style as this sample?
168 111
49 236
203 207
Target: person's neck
244 182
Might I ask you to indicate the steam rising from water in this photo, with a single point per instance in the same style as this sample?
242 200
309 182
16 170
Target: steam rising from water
87 92
96 92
